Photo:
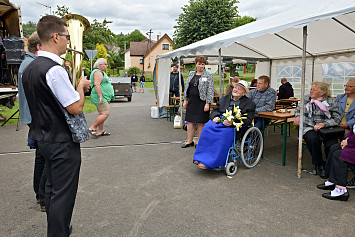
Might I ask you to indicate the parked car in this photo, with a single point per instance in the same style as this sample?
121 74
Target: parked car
122 87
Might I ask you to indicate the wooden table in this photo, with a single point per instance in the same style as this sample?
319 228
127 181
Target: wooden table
284 117
286 103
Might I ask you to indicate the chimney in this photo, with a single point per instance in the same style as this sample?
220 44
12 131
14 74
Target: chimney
158 37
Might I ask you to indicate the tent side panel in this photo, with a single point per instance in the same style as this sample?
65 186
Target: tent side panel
163 81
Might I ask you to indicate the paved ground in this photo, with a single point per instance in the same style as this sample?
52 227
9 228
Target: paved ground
139 182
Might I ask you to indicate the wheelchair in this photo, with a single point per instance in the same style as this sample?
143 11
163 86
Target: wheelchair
247 149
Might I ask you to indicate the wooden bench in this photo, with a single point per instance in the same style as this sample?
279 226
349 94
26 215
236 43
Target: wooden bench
171 110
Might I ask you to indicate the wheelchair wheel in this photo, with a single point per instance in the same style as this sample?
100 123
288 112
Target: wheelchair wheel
251 147
231 169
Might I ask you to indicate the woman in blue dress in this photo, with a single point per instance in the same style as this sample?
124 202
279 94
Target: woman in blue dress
216 138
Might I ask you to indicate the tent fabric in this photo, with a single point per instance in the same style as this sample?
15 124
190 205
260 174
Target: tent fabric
330 27
10 13
259 40
163 81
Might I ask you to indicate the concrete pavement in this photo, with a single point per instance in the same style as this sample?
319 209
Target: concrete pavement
139 182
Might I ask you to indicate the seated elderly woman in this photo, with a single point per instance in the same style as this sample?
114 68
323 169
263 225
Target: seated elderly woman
346 105
320 111
341 157
216 138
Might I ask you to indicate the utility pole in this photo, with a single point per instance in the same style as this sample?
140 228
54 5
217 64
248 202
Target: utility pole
125 42
150 34
148 45
47 6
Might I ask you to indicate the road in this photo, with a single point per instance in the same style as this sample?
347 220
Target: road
139 182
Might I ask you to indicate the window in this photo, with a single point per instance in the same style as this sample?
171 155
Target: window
293 74
338 74
165 46
141 60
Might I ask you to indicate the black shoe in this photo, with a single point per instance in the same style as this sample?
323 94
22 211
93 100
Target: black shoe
351 183
321 172
185 145
343 197
323 187
70 229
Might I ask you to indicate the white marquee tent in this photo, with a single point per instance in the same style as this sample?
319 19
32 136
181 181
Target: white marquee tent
277 40
321 31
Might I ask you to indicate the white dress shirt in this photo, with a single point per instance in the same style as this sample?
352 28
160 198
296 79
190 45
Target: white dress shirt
58 81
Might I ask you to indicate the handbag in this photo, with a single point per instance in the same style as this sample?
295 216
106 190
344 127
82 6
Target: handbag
331 132
77 126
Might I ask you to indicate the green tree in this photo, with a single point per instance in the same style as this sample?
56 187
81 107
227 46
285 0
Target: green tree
62 11
134 36
242 20
102 53
99 34
28 28
204 18
132 70
114 60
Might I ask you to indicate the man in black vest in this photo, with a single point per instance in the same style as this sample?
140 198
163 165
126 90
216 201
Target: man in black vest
48 88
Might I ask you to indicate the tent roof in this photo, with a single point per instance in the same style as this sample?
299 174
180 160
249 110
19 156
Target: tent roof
9 13
330 26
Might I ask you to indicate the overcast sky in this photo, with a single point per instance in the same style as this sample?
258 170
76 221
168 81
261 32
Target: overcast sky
128 15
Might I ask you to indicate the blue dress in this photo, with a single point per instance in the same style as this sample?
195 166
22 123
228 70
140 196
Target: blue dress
214 143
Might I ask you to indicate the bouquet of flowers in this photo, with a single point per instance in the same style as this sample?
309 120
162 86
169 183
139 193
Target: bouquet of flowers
234 116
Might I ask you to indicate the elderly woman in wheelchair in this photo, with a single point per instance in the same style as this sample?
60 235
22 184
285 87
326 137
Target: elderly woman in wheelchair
222 143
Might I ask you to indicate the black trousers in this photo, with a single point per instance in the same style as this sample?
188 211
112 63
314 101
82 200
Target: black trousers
339 168
314 145
39 177
62 168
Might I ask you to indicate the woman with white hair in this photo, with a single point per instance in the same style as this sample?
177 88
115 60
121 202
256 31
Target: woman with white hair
320 111
101 94
346 105
217 137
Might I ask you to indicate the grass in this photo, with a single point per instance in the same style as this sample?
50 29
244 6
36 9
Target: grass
88 107
246 77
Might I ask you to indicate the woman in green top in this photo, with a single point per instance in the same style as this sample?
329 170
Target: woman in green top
101 94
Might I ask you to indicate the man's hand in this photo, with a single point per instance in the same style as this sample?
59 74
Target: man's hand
101 100
297 121
85 83
207 107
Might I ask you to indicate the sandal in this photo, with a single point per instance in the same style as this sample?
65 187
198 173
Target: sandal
103 134
92 130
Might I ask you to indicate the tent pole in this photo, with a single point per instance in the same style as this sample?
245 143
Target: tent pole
220 72
180 93
156 85
313 59
301 106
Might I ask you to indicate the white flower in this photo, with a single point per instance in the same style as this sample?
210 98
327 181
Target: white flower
238 125
228 114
